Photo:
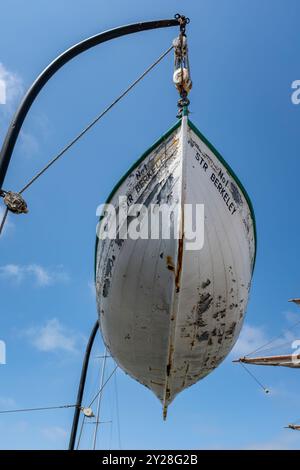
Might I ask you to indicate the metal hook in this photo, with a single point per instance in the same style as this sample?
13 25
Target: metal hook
183 21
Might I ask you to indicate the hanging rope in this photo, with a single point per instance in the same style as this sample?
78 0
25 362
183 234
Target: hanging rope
266 390
14 201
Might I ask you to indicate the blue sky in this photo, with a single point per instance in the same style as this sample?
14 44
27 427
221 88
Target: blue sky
244 58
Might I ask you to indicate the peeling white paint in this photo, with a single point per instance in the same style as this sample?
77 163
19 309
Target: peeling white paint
168 315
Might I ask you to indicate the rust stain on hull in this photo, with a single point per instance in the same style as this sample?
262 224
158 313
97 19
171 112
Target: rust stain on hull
179 264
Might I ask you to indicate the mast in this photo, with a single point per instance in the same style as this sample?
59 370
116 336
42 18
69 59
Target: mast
294 427
99 399
289 360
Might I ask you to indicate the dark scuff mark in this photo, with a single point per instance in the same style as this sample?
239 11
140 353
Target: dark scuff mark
201 307
166 191
231 329
205 284
179 264
149 199
221 314
106 287
232 306
119 241
236 194
109 266
156 383
203 337
170 263
204 303
108 274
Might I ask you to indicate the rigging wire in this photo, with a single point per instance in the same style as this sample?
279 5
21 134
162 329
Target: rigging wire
86 129
110 435
276 347
5 214
117 412
272 340
37 409
80 432
111 412
93 400
255 378
100 391
99 400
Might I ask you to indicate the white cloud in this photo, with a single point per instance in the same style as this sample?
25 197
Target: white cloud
250 339
11 93
281 391
7 403
254 338
53 336
42 276
292 318
29 144
14 89
55 433
92 288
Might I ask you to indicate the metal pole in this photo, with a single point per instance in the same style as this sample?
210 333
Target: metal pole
53 67
81 385
99 400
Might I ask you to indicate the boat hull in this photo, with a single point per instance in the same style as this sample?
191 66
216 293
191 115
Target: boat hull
170 314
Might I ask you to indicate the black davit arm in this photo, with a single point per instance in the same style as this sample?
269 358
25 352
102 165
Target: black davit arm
53 67
81 385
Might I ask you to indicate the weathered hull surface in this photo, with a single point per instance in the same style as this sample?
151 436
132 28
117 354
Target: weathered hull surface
169 315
